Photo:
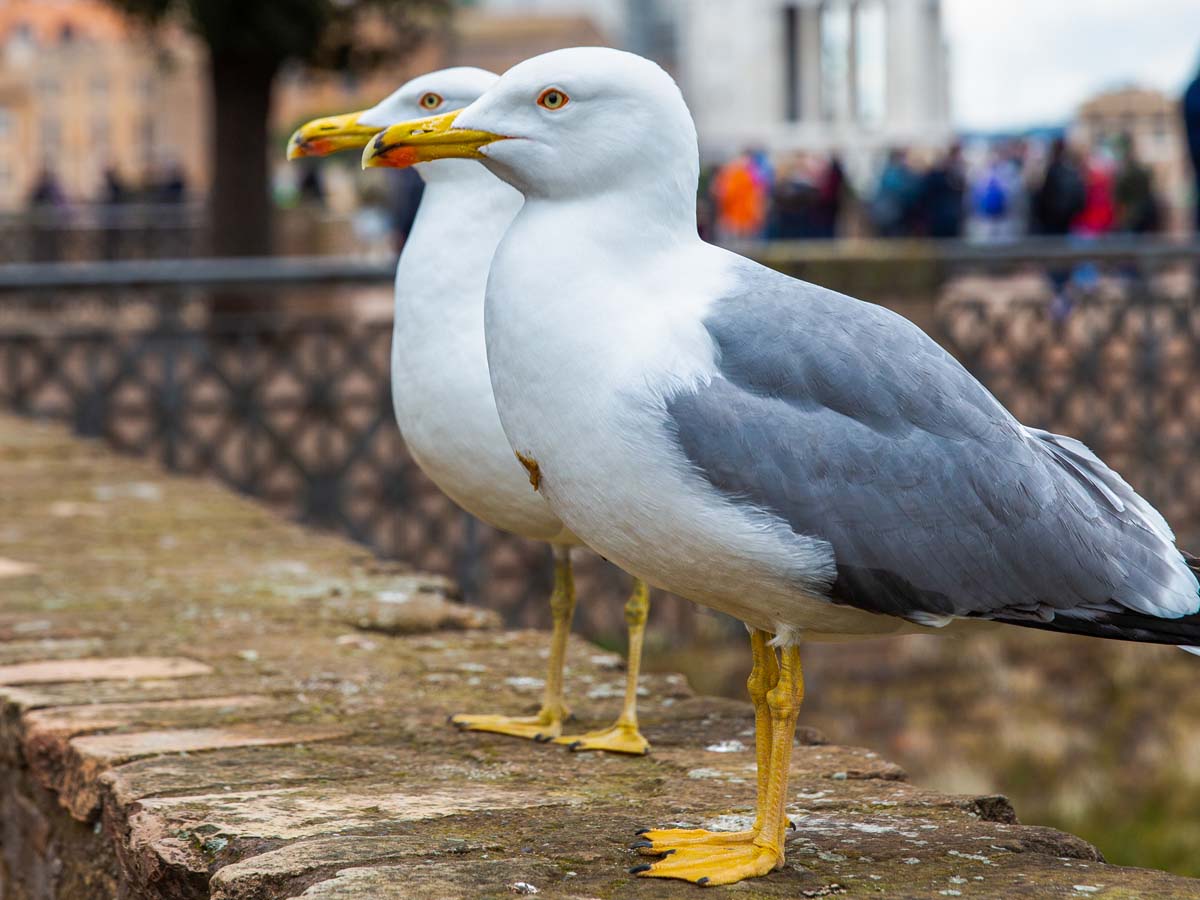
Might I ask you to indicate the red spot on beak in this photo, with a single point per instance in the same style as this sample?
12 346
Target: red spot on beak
315 147
401 157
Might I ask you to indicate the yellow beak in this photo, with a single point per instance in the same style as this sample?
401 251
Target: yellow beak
423 140
320 137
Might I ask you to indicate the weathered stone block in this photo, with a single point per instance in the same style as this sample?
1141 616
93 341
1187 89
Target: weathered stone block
207 717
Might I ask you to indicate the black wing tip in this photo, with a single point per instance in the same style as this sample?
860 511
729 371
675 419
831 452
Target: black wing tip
1139 628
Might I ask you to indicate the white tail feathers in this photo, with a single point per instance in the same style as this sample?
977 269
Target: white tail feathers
1195 651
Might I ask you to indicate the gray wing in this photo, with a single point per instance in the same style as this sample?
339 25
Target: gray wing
850 424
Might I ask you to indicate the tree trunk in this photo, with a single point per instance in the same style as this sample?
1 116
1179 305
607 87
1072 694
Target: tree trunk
241 202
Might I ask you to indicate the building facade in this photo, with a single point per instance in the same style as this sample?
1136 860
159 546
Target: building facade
82 91
852 76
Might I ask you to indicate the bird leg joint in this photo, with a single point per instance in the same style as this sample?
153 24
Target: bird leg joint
637 607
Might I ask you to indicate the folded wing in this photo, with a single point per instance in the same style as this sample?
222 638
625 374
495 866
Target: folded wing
850 424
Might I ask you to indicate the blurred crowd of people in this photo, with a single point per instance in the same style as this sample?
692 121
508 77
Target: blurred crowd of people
118 211
1014 189
165 185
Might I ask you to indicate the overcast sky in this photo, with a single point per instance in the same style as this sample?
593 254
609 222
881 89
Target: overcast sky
1029 62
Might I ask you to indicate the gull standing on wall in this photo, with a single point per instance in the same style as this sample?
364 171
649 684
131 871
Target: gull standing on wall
812 464
440 385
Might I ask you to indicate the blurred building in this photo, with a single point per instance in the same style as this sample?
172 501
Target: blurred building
1152 119
608 16
648 27
82 91
499 40
853 76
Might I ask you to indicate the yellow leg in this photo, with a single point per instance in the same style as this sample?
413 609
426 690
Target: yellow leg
784 701
547 724
708 864
760 687
763 676
623 735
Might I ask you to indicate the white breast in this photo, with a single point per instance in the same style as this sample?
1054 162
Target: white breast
441 391
581 366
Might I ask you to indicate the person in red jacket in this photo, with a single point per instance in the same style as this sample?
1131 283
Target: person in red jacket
1099 210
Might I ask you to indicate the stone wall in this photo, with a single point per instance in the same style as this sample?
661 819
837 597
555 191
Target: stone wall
198 699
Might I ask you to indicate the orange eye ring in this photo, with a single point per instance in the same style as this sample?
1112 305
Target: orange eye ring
552 99
430 100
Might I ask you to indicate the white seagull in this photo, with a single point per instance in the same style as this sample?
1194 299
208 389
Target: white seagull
440 386
813 464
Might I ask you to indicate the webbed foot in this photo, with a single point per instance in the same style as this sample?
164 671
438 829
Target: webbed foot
711 864
542 727
617 738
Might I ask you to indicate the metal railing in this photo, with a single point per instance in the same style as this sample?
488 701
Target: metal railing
78 232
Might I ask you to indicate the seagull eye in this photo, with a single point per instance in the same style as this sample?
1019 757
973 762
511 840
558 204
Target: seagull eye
552 98
431 100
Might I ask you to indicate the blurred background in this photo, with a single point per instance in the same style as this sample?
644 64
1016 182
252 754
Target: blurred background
1017 178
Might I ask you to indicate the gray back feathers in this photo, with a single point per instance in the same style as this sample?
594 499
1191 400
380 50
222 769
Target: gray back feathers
852 425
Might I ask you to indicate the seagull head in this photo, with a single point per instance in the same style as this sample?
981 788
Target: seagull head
569 124
433 93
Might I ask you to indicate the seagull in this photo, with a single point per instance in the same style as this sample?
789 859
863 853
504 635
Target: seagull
812 464
441 391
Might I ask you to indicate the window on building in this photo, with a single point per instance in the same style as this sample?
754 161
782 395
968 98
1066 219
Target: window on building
99 136
791 63
870 60
147 137
51 135
835 61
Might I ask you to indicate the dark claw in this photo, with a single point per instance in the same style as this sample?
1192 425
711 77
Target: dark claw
542 738
638 845
574 745
643 831
450 719
639 869
667 853
791 825
703 880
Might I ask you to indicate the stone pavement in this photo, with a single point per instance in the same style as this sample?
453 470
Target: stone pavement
201 700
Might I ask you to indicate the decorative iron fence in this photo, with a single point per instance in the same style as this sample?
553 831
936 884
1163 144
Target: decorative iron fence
273 375
1116 367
